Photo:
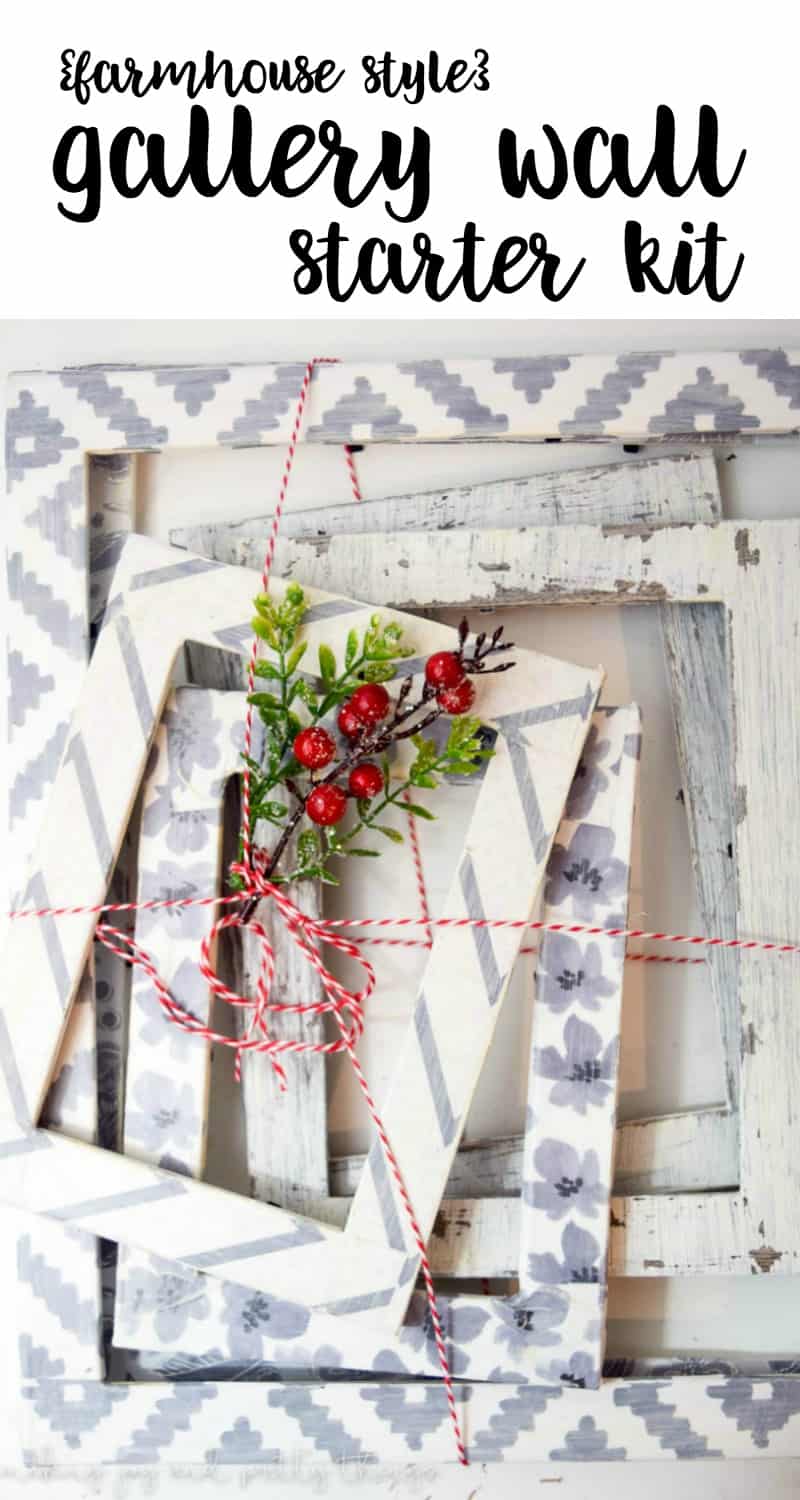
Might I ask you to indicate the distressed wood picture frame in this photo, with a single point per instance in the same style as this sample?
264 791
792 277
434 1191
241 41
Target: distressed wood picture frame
688 1150
56 424
368 1268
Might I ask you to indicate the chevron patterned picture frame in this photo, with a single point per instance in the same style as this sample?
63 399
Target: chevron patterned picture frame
541 711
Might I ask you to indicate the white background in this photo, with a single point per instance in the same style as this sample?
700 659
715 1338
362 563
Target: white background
670 1055
572 65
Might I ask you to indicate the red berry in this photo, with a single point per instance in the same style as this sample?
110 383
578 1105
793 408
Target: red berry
457 700
444 670
326 805
366 780
314 748
348 723
370 703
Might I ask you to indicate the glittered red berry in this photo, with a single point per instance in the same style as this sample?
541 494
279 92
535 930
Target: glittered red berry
348 723
366 780
370 703
444 670
327 805
457 700
314 748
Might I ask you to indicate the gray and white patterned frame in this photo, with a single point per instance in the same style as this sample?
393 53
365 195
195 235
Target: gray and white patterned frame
366 1271
55 422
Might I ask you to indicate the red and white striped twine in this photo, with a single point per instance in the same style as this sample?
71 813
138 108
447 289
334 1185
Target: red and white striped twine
310 934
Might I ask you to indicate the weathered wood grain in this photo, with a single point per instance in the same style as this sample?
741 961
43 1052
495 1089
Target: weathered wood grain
646 492
673 1153
764 623
652 492
697 661
286 1132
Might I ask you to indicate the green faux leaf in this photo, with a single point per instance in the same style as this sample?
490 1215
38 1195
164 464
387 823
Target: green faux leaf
420 812
267 669
462 729
304 690
294 596
326 877
422 778
265 631
393 834
295 658
327 663
377 672
351 649
275 811
364 853
263 700
308 847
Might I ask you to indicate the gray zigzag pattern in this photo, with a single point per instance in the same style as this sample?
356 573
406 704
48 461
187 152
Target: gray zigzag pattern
704 398
533 376
415 1419
460 401
35 1362
758 1415
587 1443
604 403
315 1422
51 614
173 1414
772 365
36 778
192 388
25 421
242 1444
74 1407
363 407
263 414
118 411
517 1413
27 686
52 518
60 1297
673 1432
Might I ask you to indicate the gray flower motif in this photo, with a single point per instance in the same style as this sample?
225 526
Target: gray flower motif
461 1325
586 873
251 1317
192 735
582 1074
171 881
589 779
169 1298
163 1118
571 973
530 1319
582 1259
190 991
570 1181
187 829
579 1371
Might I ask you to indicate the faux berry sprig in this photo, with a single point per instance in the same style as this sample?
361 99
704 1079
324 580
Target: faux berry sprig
328 776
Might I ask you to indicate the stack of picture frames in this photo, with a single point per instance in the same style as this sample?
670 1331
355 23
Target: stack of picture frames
163 1319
